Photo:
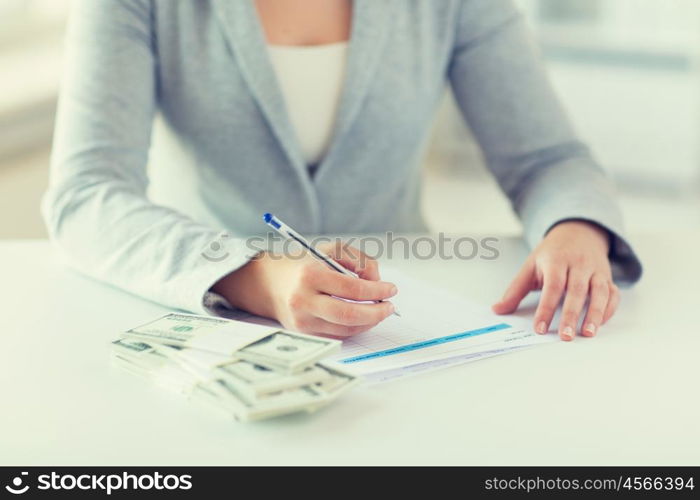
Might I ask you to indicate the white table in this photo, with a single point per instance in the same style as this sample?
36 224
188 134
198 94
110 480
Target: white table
629 396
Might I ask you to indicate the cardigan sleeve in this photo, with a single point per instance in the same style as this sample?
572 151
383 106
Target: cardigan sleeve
96 208
548 174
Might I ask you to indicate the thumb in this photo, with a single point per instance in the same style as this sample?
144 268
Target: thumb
517 290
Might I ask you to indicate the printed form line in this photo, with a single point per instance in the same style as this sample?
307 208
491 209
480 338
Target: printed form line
426 343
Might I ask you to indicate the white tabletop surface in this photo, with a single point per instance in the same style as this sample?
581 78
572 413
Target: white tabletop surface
629 396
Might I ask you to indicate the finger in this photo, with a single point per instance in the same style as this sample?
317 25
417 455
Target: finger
600 295
553 285
612 302
353 259
346 313
520 286
348 287
318 326
577 286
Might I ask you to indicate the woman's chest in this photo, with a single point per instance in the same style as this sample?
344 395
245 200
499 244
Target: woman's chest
215 73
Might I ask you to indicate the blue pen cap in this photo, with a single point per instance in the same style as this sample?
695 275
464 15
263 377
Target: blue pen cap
270 219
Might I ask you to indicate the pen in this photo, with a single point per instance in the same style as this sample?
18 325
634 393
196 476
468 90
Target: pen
290 233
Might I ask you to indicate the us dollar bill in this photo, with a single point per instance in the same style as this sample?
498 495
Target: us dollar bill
337 383
256 380
288 352
130 348
266 346
144 361
201 332
244 408
245 390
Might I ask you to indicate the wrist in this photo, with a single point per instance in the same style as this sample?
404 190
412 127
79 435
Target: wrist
245 288
600 235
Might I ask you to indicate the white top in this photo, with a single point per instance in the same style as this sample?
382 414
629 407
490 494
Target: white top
311 80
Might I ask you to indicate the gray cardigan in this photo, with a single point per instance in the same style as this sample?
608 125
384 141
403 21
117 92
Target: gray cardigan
230 153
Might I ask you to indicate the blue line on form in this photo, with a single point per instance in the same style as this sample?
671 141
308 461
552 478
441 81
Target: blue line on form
426 343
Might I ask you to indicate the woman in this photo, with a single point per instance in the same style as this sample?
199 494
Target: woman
315 110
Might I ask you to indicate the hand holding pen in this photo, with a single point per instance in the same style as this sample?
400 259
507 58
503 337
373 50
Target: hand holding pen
291 234
301 291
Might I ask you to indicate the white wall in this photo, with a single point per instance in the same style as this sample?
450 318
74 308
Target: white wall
630 79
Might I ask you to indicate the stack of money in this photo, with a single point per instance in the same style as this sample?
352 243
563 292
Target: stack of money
251 371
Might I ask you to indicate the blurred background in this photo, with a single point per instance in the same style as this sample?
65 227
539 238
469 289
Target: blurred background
628 72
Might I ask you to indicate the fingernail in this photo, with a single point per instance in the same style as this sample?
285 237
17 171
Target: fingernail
541 327
393 291
392 308
568 333
591 328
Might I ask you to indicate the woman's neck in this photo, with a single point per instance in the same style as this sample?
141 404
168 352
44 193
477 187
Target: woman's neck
305 22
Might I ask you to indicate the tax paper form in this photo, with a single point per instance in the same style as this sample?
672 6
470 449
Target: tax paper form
436 329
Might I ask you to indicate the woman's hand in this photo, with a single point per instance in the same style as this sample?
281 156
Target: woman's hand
570 262
297 291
